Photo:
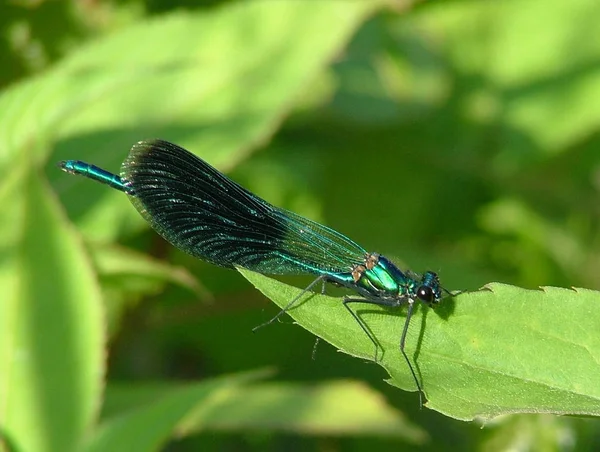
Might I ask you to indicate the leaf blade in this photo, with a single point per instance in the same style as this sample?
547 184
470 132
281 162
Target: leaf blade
51 323
480 354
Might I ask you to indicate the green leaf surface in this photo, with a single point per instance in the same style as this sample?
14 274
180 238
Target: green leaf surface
114 260
152 421
479 354
538 67
532 432
126 276
340 408
335 408
51 327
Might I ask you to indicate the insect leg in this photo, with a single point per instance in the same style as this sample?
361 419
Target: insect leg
361 323
291 303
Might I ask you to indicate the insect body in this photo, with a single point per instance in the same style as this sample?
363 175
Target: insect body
204 213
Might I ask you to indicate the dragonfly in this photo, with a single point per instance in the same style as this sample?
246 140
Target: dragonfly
211 217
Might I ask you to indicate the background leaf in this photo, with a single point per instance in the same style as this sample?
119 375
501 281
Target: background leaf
51 323
302 409
149 425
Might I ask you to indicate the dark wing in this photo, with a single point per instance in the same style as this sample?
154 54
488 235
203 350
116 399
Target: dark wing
209 216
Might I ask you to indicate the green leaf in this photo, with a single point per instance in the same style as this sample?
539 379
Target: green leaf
113 261
542 91
531 432
151 422
333 408
479 354
51 325
126 276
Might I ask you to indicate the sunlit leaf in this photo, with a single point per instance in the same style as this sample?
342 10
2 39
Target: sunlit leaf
479 354
51 325
148 424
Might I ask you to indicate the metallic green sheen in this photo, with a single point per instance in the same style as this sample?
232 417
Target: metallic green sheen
381 278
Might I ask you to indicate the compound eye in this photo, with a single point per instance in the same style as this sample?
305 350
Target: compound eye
425 293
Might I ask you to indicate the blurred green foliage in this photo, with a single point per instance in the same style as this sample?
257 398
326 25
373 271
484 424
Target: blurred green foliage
457 136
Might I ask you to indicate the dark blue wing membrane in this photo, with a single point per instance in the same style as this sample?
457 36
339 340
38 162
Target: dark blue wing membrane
206 214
